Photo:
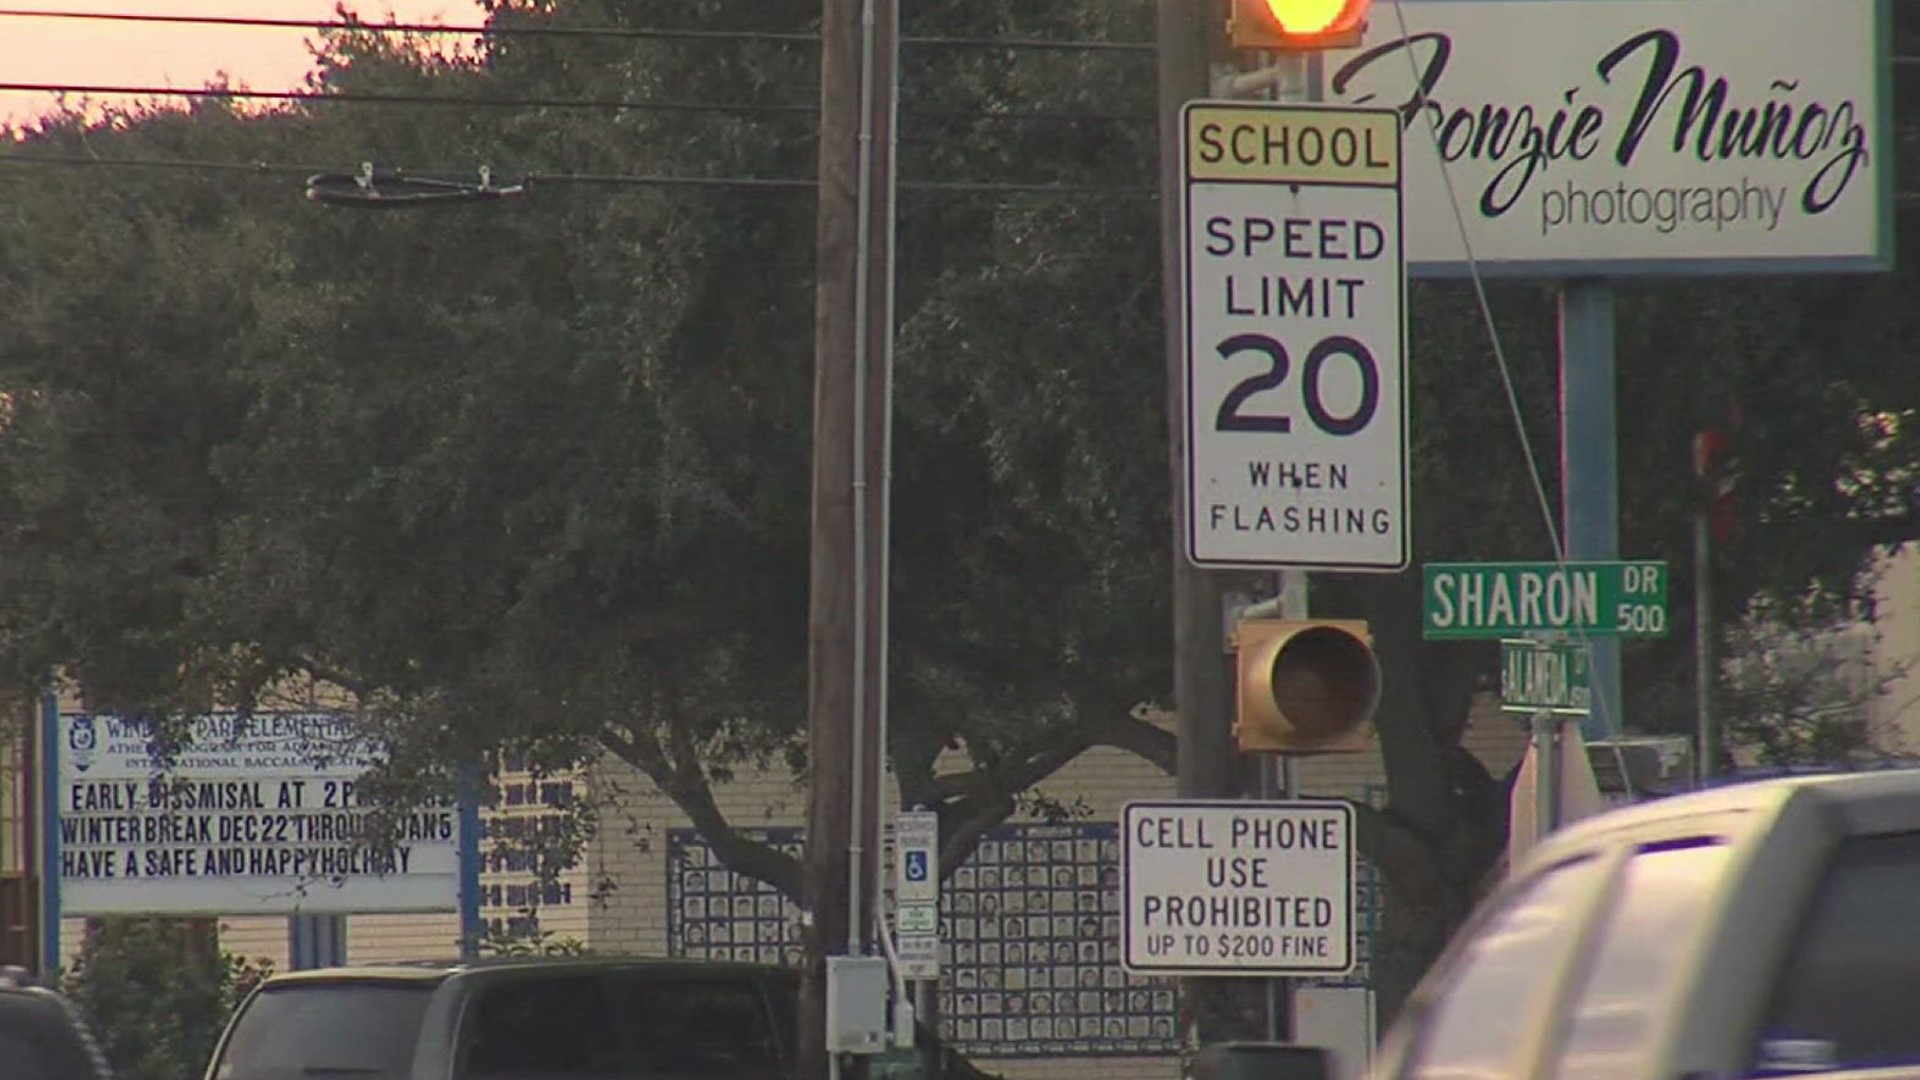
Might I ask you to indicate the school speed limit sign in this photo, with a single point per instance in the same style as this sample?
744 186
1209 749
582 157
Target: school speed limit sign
1296 405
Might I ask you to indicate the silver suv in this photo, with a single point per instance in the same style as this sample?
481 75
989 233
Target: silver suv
1755 930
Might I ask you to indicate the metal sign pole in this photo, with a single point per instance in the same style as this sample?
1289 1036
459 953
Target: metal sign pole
1546 773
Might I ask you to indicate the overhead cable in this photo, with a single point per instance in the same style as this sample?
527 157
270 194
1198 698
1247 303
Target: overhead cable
358 26
383 98
334 177
222 93
550 30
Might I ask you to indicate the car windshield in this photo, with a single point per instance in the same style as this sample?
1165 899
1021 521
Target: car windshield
351 1031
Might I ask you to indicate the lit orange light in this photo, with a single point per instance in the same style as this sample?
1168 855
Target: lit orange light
1306 16
1298 25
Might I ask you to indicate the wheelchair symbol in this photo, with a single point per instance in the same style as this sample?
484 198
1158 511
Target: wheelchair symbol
916 866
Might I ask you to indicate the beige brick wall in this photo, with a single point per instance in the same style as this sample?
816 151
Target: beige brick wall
631 850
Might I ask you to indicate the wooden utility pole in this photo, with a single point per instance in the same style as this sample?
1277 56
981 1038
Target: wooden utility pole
1190 35
853 338
1206 760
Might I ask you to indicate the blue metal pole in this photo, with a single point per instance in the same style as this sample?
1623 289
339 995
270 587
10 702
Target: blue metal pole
50 837
300 944
470 924
1589 466
316 941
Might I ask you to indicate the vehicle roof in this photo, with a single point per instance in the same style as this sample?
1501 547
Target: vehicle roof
433 971
1853 793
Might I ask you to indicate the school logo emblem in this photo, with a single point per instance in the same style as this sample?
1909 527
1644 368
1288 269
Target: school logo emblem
82 740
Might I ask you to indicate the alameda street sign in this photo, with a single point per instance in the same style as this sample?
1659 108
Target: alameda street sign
1545 676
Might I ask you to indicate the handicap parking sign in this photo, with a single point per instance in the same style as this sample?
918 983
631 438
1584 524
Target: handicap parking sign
916 866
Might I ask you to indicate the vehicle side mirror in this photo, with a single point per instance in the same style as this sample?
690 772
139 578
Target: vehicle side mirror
1262 1061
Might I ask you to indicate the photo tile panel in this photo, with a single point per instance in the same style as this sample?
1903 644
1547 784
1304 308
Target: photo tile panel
1030 939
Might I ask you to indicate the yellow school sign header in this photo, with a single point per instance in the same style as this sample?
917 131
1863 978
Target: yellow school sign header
1303 145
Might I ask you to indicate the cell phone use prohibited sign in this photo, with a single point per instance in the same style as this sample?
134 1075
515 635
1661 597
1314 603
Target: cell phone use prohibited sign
1238 888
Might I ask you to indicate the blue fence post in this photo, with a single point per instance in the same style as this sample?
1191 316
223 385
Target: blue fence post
472 930
50 916
316 941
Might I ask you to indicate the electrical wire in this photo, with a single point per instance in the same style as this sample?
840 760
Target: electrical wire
1486 313
649 105
357 26
604 32
375 98
535 178
1610 709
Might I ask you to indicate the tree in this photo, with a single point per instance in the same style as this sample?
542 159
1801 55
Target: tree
157 994
533 473
599 387
1801 689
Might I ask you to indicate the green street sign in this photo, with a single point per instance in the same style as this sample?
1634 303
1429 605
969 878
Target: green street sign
1498 600
1540 676
920 918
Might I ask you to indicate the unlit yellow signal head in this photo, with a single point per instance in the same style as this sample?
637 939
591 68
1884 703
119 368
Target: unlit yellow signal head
1306 686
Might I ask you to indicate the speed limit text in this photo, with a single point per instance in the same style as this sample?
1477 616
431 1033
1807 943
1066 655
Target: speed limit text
1290 241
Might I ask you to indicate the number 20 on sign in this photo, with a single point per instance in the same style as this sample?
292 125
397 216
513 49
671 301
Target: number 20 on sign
1295 338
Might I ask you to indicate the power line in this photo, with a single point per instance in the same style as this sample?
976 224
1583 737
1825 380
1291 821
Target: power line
535 178
647 105
228 93
265 168
610 32
641 33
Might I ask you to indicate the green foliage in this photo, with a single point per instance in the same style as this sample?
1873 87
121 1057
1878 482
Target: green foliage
524 936
535 472
157 995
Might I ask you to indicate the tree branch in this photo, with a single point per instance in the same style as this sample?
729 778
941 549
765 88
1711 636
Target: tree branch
334 677
918 784
989 800
675 769
1145 740
1396 850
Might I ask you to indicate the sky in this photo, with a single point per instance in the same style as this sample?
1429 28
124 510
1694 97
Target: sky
70 51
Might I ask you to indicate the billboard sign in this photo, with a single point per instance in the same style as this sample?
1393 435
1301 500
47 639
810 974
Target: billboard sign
1635 136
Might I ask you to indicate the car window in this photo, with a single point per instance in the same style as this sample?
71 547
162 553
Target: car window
1659 907
542 1026
695 1027
301 1030
1478 1021
1845 998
